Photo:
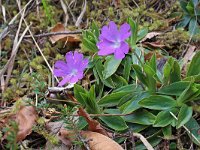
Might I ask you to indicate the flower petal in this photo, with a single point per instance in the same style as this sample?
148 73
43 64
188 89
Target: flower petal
110 32
124 31
105 44
64 81
73 79
119 54
113 27
124 47
59 73
78 57
69 57
60 64
80 75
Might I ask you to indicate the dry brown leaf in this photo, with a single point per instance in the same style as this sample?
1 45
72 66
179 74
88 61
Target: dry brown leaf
156 44
93 124
150 35
94 140
66 136
63 37
26 118
98 141
189 54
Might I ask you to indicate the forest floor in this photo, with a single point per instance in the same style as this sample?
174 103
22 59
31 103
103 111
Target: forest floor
36 113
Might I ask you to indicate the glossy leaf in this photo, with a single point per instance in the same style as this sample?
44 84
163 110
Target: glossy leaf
193 126
110 66
141 117
194 68
175 88
77 93
184 115
158 102
115 122
111 99
127 68
163 119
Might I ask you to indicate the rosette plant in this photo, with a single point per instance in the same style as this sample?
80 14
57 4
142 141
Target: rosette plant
147 96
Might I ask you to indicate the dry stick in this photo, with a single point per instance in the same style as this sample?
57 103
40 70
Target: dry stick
54 33
14 51
4 32
79 19
15 48
186 129
40 51
144 141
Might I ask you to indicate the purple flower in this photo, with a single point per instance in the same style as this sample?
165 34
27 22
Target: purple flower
72 70
112 40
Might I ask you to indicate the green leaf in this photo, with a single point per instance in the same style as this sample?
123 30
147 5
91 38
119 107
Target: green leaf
163 119
193 126
112 99
188 94
158 102
167 132
133 105
138 51
140 74
193 26
136 127
194 68
184 115
126 88
95 29
115 122
99 67
151 82
134 28
171 71
141 117
175 75
175 88
90 104
77 93
142 33
110 66
185 21
127 68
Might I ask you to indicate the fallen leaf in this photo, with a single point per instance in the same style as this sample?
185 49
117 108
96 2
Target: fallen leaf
150 35
66 136
188 57
154 44
63 37
98 141
93 125
26 118
94 140
189 54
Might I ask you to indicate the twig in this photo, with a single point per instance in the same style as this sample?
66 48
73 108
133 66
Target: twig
186 129
144 141
53 33
14 51
16 44
41 51
5 30
79 19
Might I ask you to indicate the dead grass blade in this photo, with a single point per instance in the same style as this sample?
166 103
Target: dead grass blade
79 19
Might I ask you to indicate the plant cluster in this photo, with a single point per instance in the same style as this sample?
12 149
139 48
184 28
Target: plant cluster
138 93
